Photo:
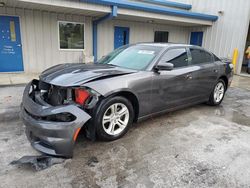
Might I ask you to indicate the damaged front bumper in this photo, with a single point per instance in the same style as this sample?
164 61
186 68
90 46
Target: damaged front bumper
52 137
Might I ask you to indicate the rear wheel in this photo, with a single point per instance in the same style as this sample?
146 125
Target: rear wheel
114 118
218 93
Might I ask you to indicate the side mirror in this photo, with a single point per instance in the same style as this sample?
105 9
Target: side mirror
164 66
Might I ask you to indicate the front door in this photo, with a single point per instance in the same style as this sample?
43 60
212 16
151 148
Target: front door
121 36
173 88
11 59
196 38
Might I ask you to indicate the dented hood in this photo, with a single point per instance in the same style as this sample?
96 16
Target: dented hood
78 74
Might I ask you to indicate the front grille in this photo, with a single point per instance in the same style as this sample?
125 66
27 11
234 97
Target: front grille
61 117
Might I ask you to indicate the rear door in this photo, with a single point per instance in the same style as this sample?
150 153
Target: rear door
205 72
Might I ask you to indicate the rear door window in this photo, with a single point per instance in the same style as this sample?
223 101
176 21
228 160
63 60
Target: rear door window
178 57
200 56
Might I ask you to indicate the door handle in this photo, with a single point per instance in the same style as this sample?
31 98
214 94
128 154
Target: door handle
215 70
188 77
19 45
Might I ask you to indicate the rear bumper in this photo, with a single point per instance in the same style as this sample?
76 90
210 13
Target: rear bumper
230 79
50 137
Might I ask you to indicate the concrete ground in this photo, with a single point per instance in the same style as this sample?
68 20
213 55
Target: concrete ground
201 146
16 78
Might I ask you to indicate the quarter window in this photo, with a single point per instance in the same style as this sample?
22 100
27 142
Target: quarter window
71 35
200 56
178 57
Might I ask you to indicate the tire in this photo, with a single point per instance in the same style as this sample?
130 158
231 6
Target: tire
218 93
109 116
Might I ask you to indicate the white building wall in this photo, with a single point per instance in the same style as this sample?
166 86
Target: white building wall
39 32
139 32
229 31
40 40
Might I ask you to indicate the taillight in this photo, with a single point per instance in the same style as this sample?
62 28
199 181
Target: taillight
81 95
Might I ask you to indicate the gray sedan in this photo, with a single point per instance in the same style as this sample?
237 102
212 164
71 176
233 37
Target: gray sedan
130 84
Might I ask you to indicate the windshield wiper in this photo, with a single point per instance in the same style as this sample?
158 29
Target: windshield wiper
113 65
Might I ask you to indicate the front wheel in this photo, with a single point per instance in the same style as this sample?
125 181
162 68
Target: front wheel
218 93
114 118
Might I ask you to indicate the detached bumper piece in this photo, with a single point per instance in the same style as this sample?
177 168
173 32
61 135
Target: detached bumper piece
50 129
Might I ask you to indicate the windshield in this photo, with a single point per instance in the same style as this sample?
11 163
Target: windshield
136 57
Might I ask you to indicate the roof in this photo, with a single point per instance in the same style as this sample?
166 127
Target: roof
163 44
153 9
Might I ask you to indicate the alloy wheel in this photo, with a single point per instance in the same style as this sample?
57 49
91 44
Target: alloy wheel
115 119
219 91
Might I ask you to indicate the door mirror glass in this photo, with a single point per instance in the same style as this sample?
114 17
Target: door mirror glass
165 66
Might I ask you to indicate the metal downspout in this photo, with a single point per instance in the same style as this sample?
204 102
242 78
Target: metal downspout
95 27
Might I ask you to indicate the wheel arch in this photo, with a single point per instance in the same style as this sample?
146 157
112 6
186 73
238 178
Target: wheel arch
225 79
131 97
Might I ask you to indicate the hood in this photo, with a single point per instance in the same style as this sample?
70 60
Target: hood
78 73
